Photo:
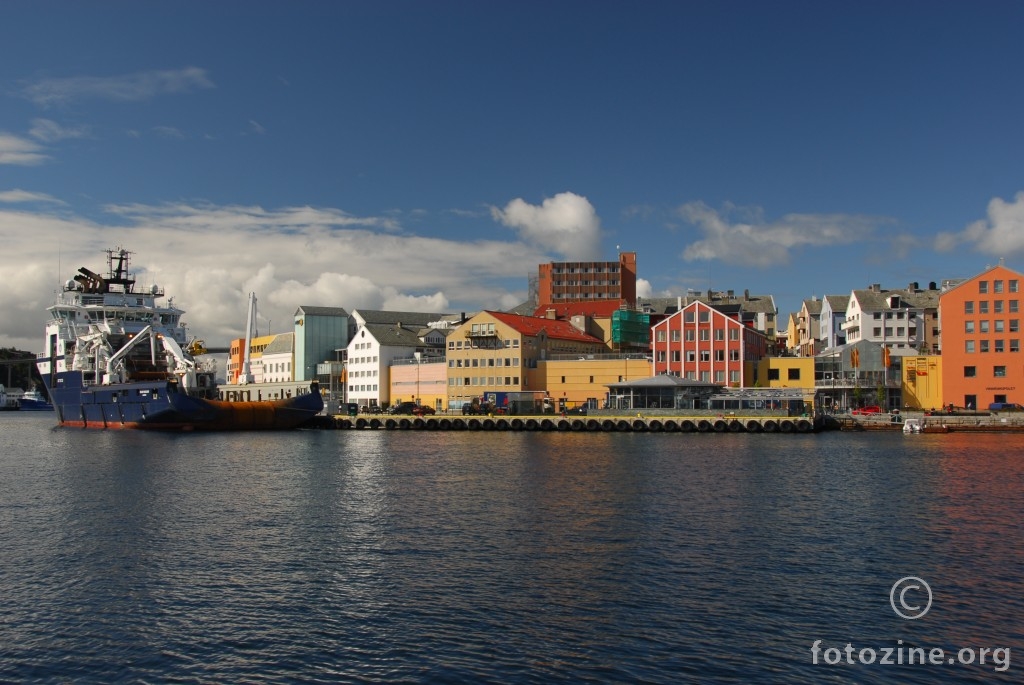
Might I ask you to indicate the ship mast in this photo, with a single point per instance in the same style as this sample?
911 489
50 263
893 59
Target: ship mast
245 375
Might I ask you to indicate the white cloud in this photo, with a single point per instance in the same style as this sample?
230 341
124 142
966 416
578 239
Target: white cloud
256 128
136 87
751 241
169 132
17 195
20 151
643 288
50 131
1001 233
209 257
566 223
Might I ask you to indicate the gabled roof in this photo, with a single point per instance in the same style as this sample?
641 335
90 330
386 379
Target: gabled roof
813 306
281 344
393 335
553 328
598 309
878 300
954 283
320 311
838 303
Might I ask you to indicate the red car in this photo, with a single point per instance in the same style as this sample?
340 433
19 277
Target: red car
874 409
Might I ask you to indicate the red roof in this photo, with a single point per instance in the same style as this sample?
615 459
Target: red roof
602 309
554 328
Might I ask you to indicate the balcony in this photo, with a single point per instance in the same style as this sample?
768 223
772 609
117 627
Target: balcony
482 333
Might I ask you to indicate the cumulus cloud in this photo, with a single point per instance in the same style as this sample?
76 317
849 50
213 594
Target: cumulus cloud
643 288
209 257
19 151
137 87
566 223
741 235
1001 233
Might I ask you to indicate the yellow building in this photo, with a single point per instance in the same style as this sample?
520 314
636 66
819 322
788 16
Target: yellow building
574 381
424 381
497 352
922 382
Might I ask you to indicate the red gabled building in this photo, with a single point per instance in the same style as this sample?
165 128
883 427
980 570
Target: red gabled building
701 343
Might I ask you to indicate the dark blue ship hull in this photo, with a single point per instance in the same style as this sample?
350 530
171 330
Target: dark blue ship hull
161 405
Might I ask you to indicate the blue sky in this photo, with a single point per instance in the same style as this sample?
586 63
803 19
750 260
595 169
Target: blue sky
428 155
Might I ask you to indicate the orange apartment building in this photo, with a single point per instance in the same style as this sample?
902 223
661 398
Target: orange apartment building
560 282
981 334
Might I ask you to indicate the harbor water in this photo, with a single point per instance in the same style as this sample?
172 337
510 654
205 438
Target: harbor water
459 557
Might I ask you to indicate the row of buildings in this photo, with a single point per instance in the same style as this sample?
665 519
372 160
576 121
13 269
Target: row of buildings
585 338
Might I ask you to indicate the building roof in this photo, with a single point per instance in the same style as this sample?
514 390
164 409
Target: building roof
553 328
379 316
663 381
838 303
877 299
281 344
598 309
393 335
320 311
813 305
762 304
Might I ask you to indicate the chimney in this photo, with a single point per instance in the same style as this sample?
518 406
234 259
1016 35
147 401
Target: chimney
550 314
746 294
876 287
932 285
912 287
730 293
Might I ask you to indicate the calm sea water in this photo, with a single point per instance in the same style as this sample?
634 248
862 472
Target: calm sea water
415 557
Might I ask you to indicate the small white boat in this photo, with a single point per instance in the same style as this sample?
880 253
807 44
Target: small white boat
912 426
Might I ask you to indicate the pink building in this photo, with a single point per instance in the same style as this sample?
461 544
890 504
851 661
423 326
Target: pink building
701 343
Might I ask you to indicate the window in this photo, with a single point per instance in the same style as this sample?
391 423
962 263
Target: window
704 316
675 335
705 334
676 356
1014 304
997 286
998 323
705 356
877 331
734 376
734 355
1014 345
970 371
983 326
719 355
688 316
773 374
689 335
969 346
1013 285
793 374
719 334
734 334
719 376
999 346
997 307
983 307
691 356
984 345
968 327
705 376
1014 325
660 335
999 371
878 316
982 287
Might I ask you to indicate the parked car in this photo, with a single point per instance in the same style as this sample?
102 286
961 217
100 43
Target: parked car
1005 406
407 408
873 409
423 410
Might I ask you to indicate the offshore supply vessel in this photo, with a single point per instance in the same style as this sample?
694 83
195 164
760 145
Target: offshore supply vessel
115 358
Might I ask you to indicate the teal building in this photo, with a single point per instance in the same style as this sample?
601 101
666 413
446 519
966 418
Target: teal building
319 331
